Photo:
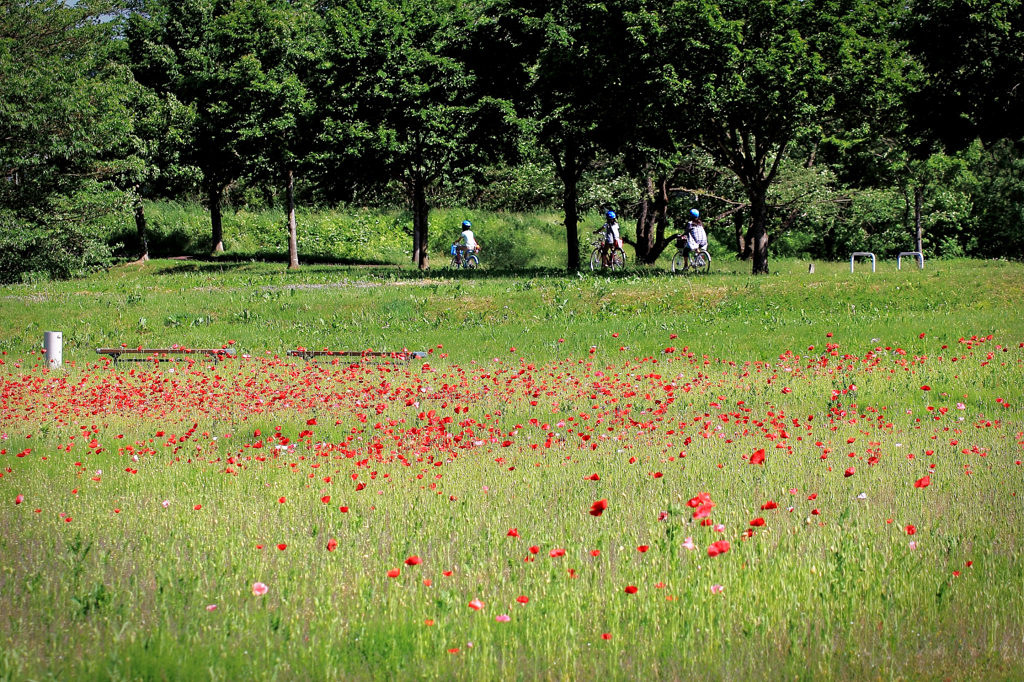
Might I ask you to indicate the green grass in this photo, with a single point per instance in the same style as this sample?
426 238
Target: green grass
838 595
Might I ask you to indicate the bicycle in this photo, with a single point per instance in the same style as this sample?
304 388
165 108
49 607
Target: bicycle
616 257
700 262
459 260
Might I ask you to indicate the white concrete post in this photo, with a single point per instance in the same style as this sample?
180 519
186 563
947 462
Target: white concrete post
53 344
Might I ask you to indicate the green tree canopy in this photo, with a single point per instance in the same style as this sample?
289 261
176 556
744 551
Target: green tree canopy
63 122
751 78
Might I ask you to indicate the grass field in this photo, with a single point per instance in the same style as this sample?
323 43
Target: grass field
788 477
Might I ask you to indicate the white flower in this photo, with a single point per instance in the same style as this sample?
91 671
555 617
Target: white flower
862 496
166 503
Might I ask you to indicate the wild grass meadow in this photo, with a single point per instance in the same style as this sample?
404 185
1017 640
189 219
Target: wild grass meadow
792 477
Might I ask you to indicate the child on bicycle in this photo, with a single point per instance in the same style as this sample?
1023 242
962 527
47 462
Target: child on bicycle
696 237
611 236
468 244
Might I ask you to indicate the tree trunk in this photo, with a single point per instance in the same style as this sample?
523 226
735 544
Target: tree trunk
293 243
570 205
420 216
214 193
918 199
140 225
645 221
758 235
742 243
662 214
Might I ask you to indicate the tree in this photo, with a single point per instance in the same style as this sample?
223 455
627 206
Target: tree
752 78
972 53
63 124
575 53
191 50
277 46
404 103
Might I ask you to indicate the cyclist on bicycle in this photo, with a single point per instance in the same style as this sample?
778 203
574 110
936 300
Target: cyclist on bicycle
468 244
611 237
696 237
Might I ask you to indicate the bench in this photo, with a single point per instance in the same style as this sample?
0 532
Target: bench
161 354
403 354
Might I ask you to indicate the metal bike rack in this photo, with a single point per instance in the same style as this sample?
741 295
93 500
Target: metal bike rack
865 254
916 254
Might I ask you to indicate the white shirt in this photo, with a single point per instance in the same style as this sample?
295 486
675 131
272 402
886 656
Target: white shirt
611 232
468 239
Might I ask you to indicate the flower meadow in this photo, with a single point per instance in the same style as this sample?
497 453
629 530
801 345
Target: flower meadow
835 512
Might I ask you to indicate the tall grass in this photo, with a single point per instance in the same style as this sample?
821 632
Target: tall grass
837 595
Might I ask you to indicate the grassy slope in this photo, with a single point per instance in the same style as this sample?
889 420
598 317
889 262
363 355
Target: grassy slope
730 314
845 600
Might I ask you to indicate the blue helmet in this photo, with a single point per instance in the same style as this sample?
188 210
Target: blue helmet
611 215
695 213
466 224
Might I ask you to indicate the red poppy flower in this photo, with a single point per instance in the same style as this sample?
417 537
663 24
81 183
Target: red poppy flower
360 486
703 511
812 496
849 472
513 533
911 529
394 572
446 574
592 477
556 553
642 548
281 500
19 499
598 507
326 499
595 552
343 510
523 599
413 561
198 507
631 589
454 651
311 422
757 457
332 545
923 482
926 388
716 548
815 512
476 604
282 546
535 550
606 636
658 474
770 504
701 498
757 522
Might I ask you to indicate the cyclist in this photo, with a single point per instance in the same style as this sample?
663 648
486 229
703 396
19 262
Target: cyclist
468 244
696 237
611 236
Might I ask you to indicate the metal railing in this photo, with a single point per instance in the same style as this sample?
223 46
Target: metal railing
916 254
864 254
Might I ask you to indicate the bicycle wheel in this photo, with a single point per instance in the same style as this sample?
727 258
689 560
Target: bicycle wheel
678 263
702 262
595 259
472 262
455 263
617 259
